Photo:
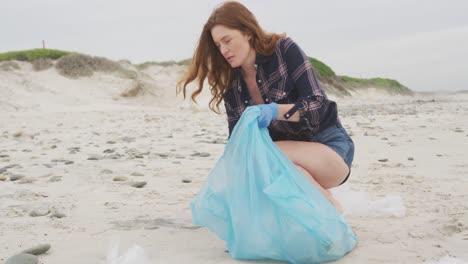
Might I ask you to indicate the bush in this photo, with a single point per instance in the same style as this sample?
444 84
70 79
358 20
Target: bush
79 65
42 64
9 66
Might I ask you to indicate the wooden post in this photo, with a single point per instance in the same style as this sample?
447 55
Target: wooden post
43 44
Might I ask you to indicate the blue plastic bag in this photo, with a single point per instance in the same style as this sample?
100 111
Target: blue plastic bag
257 200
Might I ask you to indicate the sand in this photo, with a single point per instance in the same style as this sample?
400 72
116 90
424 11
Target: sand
71 138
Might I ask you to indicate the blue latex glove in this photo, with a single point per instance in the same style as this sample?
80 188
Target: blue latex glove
268 112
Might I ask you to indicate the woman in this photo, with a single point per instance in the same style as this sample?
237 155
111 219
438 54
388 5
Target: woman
246 66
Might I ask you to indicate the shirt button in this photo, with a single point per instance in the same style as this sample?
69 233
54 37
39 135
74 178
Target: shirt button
267 99
246 101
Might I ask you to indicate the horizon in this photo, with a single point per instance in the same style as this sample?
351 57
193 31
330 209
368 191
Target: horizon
400 40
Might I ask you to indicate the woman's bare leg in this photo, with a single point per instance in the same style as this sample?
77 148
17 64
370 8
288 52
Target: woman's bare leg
325 168
325 192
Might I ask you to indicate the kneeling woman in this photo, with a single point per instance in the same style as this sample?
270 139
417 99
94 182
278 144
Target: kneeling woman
246 66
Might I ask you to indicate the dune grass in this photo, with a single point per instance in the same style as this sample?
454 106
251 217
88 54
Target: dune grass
32 55
390 84
321 68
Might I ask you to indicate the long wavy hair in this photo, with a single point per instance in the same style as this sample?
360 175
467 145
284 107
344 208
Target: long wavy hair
208 62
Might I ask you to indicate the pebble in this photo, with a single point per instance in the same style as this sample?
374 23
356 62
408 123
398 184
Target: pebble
39 249
137 174
410 158
138 184
201 154
55 179
106 171
16 177
26 180
39 212
3 177
94 157
186 180
120 178
57 215
22 258
383 160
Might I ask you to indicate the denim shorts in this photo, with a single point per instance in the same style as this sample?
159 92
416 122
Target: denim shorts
336 138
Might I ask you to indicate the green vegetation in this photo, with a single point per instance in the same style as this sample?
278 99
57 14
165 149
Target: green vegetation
374 82
32 55
321 68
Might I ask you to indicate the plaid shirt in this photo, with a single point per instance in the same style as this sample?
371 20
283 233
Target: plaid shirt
285 77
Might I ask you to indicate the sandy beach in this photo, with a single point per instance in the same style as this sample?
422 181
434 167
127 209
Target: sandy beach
82 167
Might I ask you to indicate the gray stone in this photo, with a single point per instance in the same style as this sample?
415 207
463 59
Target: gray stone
57 215
120 178
94 157
39 212
138 184
137 174
383 160
16 177
3 177
186 180
410 158
22 258
55 179
39 249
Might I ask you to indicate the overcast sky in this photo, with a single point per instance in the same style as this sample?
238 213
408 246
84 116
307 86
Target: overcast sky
422 44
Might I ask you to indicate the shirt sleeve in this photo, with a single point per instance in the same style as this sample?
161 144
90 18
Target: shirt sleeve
312 103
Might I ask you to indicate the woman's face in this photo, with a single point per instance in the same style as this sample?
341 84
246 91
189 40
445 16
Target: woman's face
232 43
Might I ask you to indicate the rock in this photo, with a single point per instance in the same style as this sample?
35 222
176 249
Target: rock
120 178
94 157
201 154
16 177
137 174
39 212
106 171
138 184
26 180
55 179
410 158
186 180
383 160
39 249
22 258
110 142
3 177
57 215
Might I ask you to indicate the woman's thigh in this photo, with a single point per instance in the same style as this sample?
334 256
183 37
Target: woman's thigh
324 164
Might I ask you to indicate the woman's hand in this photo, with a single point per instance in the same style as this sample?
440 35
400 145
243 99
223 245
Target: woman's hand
268 112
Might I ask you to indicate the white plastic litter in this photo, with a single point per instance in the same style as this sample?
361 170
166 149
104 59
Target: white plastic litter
447 260
360 204
134 255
